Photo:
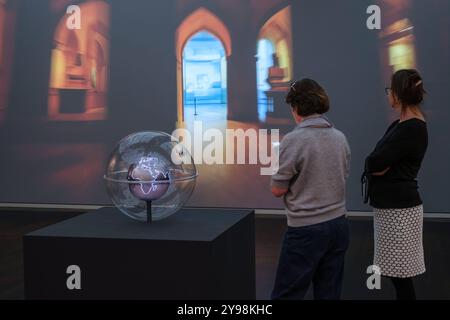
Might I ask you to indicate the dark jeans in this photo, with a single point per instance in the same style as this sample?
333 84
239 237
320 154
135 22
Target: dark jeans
312 254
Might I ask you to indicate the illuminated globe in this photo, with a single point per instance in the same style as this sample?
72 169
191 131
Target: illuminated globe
150 175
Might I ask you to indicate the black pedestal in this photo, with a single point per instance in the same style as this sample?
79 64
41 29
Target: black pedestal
194 254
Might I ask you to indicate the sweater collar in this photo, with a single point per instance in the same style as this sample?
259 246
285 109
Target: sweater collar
315 121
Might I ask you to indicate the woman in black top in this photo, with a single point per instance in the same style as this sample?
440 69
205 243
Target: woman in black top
391 187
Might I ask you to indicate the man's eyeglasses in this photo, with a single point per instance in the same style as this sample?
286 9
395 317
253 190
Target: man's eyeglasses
387 91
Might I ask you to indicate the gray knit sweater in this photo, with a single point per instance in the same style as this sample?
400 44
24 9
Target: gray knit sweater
313 166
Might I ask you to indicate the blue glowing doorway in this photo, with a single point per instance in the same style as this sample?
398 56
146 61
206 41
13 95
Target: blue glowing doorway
204 78
264 61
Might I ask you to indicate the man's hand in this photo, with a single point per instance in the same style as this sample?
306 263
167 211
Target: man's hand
279 192
382 173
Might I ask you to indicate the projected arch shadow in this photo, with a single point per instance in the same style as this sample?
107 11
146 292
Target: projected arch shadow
274 67
79 66
203 45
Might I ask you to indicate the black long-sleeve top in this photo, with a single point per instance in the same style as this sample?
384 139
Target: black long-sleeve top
401 149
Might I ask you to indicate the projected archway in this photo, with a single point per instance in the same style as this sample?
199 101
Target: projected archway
264 61
274 64
203 45
79 66
204 78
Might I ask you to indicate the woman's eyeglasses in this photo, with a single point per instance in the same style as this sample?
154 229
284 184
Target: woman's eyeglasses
387 91
293 84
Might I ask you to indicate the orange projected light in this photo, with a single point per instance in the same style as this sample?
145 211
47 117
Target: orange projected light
274 67
79 66
402 53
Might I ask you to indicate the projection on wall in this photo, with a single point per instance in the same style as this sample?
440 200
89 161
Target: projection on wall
205 77
67 95
203 45
7 24
274 64
79 66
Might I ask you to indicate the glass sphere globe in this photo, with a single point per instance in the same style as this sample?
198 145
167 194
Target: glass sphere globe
150 175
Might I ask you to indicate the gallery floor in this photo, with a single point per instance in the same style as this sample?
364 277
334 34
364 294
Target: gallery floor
435 284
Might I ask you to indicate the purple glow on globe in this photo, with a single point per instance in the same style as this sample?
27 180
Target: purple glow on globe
156 181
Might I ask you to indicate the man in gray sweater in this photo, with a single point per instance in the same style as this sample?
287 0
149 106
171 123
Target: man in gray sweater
313 167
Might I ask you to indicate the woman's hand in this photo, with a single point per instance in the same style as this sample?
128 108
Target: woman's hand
382 173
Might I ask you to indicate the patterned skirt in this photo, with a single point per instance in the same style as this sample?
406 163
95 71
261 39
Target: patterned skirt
399 242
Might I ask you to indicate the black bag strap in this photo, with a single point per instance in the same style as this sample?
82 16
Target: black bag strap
365 183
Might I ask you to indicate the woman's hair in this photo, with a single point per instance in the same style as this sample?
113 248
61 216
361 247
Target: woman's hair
407 85
307 97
